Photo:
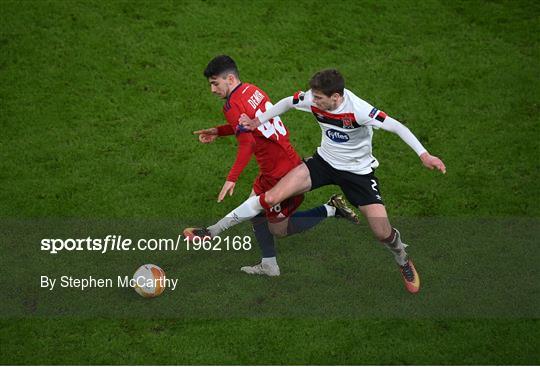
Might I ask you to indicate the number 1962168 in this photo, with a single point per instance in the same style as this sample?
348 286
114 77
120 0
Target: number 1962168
235 243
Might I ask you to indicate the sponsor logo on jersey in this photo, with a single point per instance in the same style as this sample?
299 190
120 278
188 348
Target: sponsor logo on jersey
373 112
347 123
337 136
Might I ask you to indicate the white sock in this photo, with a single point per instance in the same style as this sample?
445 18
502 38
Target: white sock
401 257
331 210
398 249
247 210
269 261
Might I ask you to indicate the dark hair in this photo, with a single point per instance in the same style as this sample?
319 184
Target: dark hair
328 81
220 65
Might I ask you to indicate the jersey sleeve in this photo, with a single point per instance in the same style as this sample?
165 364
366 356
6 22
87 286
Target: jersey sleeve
246 143
367 115
246 147
224 130
404 133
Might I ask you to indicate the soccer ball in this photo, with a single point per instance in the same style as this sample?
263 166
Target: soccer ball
149 281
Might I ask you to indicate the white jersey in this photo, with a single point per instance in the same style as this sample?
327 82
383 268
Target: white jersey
346 132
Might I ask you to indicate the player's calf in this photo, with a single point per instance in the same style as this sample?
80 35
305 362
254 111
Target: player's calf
265 238
305 220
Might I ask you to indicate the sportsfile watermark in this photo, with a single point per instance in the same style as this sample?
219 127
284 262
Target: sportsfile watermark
80 267
118 242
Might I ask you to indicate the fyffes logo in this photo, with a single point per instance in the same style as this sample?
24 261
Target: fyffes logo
337 136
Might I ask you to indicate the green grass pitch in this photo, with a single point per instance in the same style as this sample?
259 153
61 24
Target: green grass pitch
98 100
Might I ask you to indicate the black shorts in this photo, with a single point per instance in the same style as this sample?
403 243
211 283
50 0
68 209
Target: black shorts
358 189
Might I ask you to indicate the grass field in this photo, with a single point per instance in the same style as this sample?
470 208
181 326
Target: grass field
98 100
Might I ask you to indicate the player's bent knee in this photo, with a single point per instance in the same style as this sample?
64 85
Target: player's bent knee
270 198
278 229
302 178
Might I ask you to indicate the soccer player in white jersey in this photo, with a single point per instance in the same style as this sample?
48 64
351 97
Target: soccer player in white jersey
344 158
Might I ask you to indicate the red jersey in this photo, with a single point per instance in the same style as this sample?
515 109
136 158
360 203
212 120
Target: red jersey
270 142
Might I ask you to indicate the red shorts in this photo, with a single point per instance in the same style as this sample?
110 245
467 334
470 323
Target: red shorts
280 211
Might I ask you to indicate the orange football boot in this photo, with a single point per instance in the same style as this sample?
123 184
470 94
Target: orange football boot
410 277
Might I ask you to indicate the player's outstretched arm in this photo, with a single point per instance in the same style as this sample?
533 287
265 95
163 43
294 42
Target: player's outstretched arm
210 135
207 135
279 108
408 137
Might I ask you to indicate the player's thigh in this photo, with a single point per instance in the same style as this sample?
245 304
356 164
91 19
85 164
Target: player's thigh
320 172
377 219
296 182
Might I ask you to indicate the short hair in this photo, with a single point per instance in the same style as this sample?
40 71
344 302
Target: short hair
220 65
328 81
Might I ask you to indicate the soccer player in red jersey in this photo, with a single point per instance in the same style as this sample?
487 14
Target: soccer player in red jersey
275 156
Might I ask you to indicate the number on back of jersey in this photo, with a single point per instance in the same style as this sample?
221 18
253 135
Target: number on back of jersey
273 126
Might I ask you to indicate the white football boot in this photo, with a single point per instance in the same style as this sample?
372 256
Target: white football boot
263 269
